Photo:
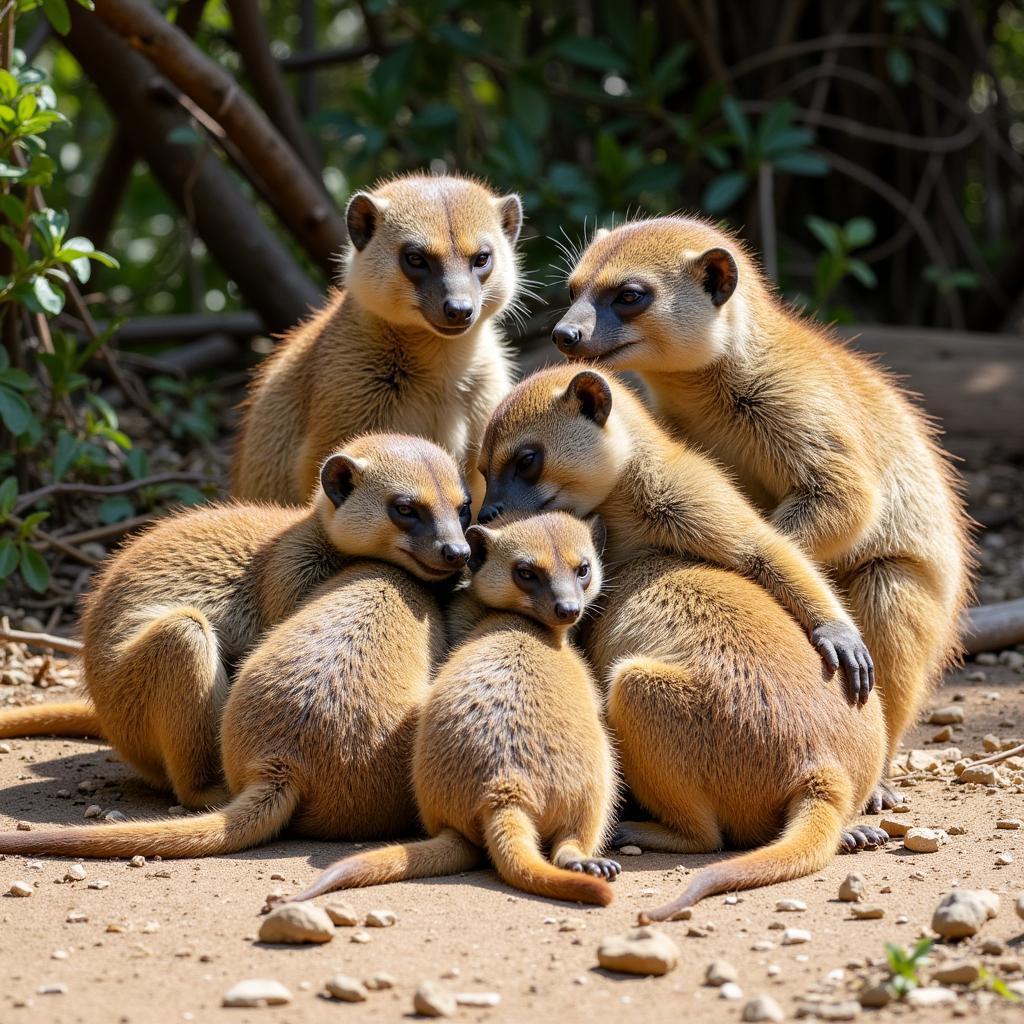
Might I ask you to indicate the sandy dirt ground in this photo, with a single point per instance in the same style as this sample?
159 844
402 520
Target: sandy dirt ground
164 942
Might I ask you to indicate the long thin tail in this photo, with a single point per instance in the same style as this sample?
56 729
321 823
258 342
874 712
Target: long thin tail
75 718
255 816
447 853
807 844
514 847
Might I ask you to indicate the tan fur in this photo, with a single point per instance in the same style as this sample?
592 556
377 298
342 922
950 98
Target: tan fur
727 730
177 609
70 718
317 732
373 358
510 751
817 434
654 493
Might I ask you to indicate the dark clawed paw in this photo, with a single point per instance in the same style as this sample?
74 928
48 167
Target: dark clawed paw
573 865
862 837
602 867
883 798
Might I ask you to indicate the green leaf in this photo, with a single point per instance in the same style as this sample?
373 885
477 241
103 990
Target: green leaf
137 462
34 570
8 496
31 522
859 231
529 106
724 191
66 453
901 69
12 208
590 53
827 233
116 510
48 297
183 135
11 170
8 85
738 124
105 409
862 272
57 14
17 379
934 17
27 107
804 163
14 411
664 177
8 557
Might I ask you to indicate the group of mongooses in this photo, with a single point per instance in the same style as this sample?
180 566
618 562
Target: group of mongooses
338 651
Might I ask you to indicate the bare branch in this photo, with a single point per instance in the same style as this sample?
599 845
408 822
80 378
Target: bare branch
105 490
44 640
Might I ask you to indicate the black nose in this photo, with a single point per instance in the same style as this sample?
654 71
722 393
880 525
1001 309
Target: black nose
458 311
567 611
456 554
489 513
566 335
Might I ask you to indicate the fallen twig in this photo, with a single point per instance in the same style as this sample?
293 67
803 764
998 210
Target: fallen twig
993 627
57 543
105 490
1002 755
57 643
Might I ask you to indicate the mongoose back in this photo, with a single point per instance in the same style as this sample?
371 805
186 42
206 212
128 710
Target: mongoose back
317 731
818 435
725 729
177 609
581 440
408 344
510 750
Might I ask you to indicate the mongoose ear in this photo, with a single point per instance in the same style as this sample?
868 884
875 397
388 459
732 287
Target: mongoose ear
339 476
477 538
600 233
591 391
598 532
717 273
510 212
363 217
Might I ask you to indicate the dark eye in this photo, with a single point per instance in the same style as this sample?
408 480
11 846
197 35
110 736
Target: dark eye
525 461
628 296
584 570
404 509
416 260
466 513
482 260
525 574
572 294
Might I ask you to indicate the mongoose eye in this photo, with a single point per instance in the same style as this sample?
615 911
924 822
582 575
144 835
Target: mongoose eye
525 461
482 260
466 514
628 296
583 572
524 572
405 510
416 260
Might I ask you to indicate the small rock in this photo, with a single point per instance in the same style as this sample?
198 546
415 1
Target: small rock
990 743
630 851
867 913
962 912
1019 906
5 748
433 1001
77 917
54 989
993 947
98 883
115 816
75 873
640 951
138 861
949 715
960 972
875 996
1004 859
924 840
944 735
59 954
380 981
719 972
846 1010
790 906
23 826
360 936
90 785
795 936
762 1008
895 828
93 811
930 996
730 990
763 946
21 889
480 1000
980 775
257 992
347 989
342 913
277 877
296 923
381 919
1009 823
853 887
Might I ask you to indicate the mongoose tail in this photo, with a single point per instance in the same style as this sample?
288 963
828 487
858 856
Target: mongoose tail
73 718
512 843
447 853
808 843
255 816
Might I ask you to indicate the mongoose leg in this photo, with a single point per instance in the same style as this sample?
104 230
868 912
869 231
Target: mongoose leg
173 661
657 838
906 632
569 854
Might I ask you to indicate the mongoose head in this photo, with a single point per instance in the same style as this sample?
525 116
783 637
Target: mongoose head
433 252
654 296
547 567
553 443
399 499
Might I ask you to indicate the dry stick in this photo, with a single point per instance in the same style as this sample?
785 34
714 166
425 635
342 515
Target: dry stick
1001 756
56 542
57 643
29 499
298 198
103 532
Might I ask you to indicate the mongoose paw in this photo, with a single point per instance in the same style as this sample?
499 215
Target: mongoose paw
883 798
862 837
600 867
841 646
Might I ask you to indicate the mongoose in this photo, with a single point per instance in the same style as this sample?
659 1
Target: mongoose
317 731
581 440
176 610
726 734
819 436
408 344
510 750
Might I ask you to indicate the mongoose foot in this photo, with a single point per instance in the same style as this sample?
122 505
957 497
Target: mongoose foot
601 867
862 837
882 799
840 645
